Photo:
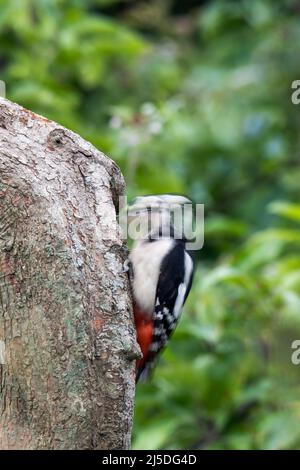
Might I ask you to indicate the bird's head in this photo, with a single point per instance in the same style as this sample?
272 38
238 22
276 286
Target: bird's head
155 212
156 203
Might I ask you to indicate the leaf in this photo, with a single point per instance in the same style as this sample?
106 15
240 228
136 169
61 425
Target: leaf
285 209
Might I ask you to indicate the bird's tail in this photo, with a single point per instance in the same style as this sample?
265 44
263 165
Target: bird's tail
144 371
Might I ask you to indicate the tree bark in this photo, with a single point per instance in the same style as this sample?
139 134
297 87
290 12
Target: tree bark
67 338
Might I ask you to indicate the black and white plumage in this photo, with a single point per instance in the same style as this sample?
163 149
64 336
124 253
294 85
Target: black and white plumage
162 276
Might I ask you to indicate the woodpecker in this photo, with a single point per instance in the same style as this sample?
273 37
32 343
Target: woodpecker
161 274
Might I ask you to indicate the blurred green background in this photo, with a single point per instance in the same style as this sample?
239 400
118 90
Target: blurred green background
192 97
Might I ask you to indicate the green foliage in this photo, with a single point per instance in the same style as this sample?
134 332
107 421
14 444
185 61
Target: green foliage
196 102
227 380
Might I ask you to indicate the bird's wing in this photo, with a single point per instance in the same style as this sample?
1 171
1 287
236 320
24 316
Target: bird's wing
174 283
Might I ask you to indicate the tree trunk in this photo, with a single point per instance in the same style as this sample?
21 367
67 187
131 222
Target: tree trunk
67 339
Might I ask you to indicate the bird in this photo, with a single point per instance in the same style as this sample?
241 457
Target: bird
161 270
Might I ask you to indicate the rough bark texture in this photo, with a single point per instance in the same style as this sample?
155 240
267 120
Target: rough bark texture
67 341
